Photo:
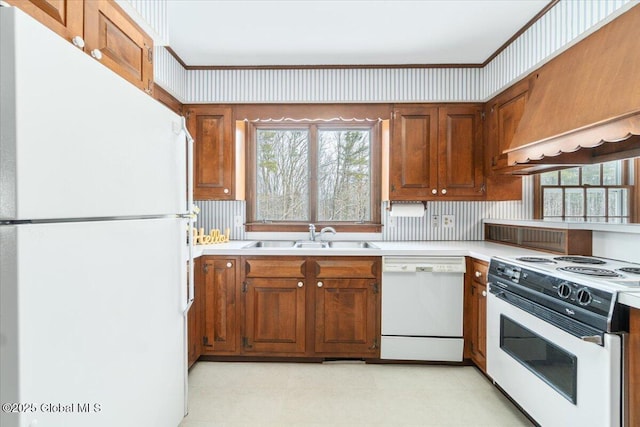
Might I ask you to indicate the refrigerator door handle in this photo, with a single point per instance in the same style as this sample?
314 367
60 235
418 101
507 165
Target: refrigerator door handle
193 210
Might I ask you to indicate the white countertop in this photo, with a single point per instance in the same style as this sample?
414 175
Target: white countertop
476 249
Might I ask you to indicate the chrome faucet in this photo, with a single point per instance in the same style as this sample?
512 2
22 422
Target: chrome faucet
312 232
327 230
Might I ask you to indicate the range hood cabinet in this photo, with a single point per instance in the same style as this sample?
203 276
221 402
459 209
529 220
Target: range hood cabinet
584 105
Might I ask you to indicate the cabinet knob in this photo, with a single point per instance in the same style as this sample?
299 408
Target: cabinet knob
96 54
225 191
78 42
300 284
444 191
478 274
320 284
229 264
484 293
434 191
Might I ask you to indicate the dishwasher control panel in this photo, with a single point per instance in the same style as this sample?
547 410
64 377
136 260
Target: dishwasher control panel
424 264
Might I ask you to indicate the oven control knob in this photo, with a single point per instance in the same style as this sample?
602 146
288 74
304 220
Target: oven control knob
564 290
584 296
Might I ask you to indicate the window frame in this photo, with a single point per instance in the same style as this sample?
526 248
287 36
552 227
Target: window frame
374 126
626 179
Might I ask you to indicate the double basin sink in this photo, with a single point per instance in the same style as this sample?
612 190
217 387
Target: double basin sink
309 244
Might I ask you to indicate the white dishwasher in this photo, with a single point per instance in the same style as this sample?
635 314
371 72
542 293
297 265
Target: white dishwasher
422 305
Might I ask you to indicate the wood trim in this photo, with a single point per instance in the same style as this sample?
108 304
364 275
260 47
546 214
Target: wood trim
521 31
634 367
167 99
537 198
635 195
304 227
526 26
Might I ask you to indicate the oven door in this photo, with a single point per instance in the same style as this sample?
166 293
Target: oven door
557 378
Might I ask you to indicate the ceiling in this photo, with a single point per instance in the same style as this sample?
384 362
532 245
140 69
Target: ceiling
349 32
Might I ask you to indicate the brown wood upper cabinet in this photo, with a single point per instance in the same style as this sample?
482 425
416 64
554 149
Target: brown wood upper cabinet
436 152
103 30
64 17
214 151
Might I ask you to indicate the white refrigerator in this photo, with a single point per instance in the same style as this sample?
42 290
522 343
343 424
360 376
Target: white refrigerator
93 229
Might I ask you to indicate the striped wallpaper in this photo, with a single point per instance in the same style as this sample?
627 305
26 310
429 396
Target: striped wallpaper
564 25
468 217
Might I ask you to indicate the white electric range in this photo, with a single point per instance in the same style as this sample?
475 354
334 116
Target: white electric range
556 336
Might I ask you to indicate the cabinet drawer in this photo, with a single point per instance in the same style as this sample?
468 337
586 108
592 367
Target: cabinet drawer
269 267
479 271
346 268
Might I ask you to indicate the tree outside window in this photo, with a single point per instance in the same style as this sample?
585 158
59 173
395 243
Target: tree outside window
314 172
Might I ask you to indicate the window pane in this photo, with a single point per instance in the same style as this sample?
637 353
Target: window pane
549 178
282 186
591 175
344 175
552 202
595 202
574 202
570 176
612 173
618 202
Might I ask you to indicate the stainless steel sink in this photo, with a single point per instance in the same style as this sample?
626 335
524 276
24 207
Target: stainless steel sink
309 244
352 245
270 244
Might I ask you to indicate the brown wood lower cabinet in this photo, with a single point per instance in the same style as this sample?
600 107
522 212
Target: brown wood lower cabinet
476 312
347 298
266 306
274 297
219 296
634 367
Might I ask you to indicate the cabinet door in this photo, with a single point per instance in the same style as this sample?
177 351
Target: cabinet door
214 153
220 334
65 17
479 314
347 306
125 47
503 116
274 316
413 153
346 321
460 166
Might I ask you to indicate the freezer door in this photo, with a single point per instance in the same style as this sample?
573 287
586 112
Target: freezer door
78 141
92 323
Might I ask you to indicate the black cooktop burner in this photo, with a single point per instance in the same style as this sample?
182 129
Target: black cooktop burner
590 271
536 259
580 259
633 270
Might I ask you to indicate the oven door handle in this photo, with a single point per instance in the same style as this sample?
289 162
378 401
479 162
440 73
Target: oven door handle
596 339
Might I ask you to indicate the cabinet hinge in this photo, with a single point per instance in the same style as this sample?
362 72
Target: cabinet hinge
245 342
205 268
374 345
376 288
205 340
150 54
482 115
245 287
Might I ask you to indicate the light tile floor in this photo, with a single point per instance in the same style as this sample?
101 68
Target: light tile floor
351 394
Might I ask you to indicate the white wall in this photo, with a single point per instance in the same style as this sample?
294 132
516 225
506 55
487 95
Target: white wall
617 245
